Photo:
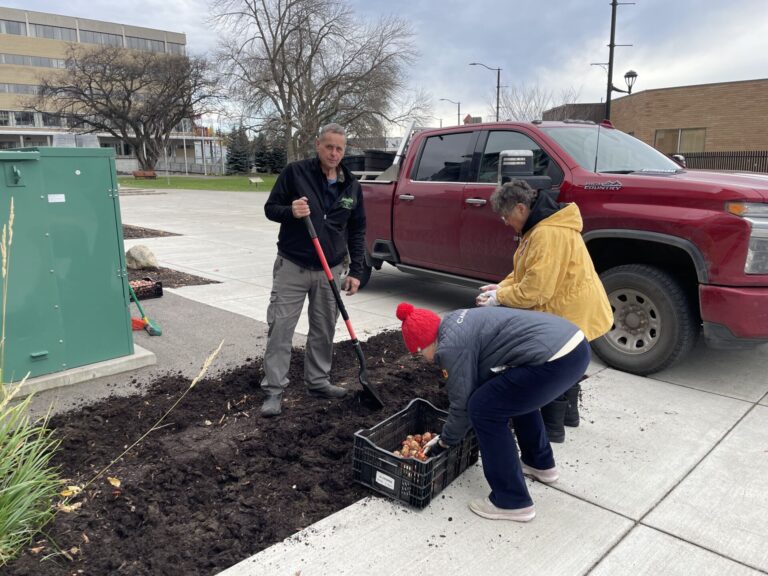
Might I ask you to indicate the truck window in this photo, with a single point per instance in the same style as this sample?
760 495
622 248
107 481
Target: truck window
609 150
499 140
445 158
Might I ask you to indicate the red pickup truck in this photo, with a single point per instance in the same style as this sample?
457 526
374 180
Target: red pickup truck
676 249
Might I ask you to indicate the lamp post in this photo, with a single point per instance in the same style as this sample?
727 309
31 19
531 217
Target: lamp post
458 109
498 83
630 76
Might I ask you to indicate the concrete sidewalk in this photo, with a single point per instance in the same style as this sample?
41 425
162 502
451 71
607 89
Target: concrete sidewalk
665 475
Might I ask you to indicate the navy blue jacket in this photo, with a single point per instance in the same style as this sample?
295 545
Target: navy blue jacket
339 229
472 341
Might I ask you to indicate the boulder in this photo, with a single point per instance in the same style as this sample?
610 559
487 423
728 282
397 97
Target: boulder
141 258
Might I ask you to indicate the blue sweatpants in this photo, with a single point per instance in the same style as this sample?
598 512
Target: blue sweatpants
518 393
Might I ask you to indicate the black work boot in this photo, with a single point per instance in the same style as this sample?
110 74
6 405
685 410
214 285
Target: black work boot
272 405
553 415
572 411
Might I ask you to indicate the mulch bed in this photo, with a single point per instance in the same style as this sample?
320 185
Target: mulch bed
131 232
170 278
215 483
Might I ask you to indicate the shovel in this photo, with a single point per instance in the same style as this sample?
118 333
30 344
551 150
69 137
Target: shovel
151 327
368 389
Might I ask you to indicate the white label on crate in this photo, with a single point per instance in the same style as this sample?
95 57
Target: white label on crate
54 198
385 480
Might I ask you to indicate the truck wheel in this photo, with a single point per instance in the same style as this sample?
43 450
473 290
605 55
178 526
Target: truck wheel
653 323
367 271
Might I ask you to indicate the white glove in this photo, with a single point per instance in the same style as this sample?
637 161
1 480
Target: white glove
487 299
428 445
488 287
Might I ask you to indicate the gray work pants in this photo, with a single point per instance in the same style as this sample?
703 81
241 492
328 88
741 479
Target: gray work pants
290 286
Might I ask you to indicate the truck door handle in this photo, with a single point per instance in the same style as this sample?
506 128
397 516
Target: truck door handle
407 197
475 201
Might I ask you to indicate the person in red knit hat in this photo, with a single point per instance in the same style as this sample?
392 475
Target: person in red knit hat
500 364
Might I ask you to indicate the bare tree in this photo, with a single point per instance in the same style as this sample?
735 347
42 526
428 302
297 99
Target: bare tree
138 97
525 103
299 64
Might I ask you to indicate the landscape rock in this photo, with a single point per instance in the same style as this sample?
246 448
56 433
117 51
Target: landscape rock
140 257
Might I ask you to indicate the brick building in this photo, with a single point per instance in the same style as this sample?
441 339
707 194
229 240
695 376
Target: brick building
720 117
726 116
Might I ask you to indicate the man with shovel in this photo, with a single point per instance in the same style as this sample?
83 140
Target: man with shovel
325 191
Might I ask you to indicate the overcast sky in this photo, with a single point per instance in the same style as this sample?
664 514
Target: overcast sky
549 43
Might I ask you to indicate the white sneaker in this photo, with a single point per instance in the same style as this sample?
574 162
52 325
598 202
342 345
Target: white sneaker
485 508
548 476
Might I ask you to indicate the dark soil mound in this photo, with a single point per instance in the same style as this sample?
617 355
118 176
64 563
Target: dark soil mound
216 483
169 277
139 232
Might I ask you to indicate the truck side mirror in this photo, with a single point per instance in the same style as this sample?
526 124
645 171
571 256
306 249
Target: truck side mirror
515 164
518 165
680 159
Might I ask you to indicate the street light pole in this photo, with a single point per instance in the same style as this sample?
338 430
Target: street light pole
611 46
458 110
498 83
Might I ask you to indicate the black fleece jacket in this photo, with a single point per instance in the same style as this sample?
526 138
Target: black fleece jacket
339 229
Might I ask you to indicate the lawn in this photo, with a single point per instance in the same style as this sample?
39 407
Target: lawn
224 183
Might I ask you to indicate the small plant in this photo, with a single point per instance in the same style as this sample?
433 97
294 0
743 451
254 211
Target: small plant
28 483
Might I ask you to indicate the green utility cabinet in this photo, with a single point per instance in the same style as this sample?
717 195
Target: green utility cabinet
67 301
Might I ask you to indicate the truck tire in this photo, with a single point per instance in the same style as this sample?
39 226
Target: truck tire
367 271
654 324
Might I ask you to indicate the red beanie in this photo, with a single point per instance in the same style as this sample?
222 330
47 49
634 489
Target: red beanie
419 326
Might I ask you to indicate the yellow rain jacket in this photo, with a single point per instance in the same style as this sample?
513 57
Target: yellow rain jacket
553 273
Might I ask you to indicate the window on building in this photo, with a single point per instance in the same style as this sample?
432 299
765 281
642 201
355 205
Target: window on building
145 44
53 32
37 61
15 59
692 140
24 119
5 118
499 140
101 38
20 88
174 48
13 27
53 120
680 140
75 122
44 62
184 126
445 158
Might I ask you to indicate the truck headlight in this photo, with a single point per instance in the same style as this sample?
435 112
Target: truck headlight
757 216
757 256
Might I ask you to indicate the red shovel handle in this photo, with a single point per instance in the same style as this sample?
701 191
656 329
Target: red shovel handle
329 275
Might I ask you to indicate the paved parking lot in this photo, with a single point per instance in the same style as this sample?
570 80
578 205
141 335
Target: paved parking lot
665 475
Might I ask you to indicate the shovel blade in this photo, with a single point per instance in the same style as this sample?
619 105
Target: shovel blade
369 391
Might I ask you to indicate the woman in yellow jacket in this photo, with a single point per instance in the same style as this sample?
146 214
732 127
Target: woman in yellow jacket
553 273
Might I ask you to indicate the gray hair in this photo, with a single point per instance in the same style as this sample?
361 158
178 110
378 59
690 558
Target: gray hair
512 193
332 128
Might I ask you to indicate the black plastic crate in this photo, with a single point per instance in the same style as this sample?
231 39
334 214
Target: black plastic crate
146 288
413 482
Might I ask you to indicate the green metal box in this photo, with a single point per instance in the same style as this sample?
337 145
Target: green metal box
67 299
